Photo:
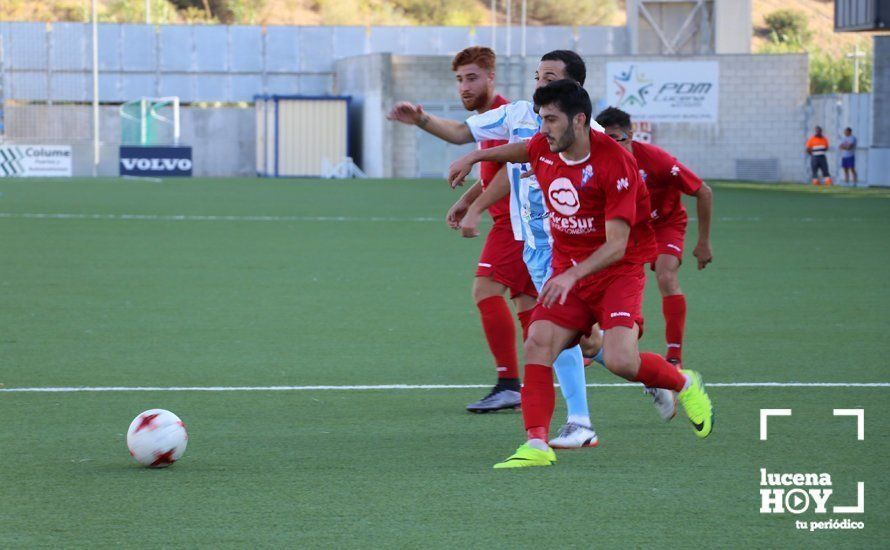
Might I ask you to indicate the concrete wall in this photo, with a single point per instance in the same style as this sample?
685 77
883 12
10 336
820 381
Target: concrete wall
761 116
834 112
732 26
223 139
879 155
368 80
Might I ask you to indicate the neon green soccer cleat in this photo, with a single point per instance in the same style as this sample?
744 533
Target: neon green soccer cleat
526 456
697 404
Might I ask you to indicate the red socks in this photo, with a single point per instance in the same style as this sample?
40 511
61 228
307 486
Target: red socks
500 331
538 400
674 308
525 319
656 372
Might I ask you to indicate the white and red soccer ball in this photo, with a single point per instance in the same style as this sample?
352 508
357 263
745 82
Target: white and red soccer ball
157 438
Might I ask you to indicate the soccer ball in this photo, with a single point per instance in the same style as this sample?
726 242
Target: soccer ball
157 438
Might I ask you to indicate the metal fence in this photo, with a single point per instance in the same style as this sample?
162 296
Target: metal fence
52 62
834 112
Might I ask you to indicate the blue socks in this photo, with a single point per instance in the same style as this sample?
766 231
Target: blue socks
569 367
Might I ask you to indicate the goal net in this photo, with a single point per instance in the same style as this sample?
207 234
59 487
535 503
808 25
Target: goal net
150 121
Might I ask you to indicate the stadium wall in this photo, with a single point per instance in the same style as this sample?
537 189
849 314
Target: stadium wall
52 62
761 110
223 139
834 112
879 154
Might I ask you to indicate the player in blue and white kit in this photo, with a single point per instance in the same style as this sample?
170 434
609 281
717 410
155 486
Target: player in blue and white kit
518 122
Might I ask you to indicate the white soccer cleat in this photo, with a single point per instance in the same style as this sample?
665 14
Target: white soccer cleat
665 402
575 436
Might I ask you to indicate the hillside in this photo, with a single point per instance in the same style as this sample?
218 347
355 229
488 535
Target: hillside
820 17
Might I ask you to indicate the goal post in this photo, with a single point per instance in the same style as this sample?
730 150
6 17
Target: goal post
150 121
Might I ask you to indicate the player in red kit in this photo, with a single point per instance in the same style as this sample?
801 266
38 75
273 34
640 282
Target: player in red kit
667 179
501 268
602 239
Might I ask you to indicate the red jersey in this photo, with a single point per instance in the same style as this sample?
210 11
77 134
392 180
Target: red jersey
500 211
665 178
582 195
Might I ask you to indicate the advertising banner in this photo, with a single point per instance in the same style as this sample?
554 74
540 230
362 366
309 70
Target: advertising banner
35 161
676 91
156 162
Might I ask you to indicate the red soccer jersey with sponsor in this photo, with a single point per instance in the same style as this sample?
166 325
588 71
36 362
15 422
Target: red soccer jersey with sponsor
500 211
581 196
666 179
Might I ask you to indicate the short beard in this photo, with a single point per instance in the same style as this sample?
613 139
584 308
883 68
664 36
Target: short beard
566 141
478 103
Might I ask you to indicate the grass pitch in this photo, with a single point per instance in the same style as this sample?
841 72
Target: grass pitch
265 283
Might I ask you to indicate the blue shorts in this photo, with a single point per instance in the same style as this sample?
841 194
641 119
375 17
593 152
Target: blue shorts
538 263
848 162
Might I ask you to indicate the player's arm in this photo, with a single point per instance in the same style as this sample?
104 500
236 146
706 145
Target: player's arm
704 201
451 131
458 210
498 188
558 287
512 152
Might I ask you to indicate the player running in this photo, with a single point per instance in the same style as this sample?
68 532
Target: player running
602 237
500 267
518 122
666 178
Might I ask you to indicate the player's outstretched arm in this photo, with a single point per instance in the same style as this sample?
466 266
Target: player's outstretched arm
451 131
498 188
558 287
704 201
512 152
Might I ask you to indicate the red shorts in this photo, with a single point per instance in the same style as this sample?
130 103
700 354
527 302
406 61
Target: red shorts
670 235
501 260
612 299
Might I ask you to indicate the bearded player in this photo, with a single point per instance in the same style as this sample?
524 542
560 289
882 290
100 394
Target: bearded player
500 268
602 239
518 122
667 179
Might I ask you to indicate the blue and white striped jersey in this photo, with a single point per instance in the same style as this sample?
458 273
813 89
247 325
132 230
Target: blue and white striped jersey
515 122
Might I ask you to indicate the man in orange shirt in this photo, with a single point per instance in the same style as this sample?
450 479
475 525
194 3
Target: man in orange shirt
817 147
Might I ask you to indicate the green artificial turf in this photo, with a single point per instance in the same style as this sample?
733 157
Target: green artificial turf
299 282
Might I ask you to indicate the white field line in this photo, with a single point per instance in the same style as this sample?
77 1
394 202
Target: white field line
221 218
75 389
208 218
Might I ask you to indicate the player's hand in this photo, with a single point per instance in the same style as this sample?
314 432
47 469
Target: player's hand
456 213
468 225
557 288
703 254
406 113
530 173
458 170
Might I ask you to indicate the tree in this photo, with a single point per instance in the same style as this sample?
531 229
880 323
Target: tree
789 27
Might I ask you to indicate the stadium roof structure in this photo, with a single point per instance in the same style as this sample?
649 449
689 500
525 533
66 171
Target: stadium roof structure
861 15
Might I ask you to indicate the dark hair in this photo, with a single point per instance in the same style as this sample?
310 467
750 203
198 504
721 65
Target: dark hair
848 129
612 116
567 95
575 67
480 55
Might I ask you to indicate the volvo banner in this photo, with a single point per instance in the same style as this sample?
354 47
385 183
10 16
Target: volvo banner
35 161
156 161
